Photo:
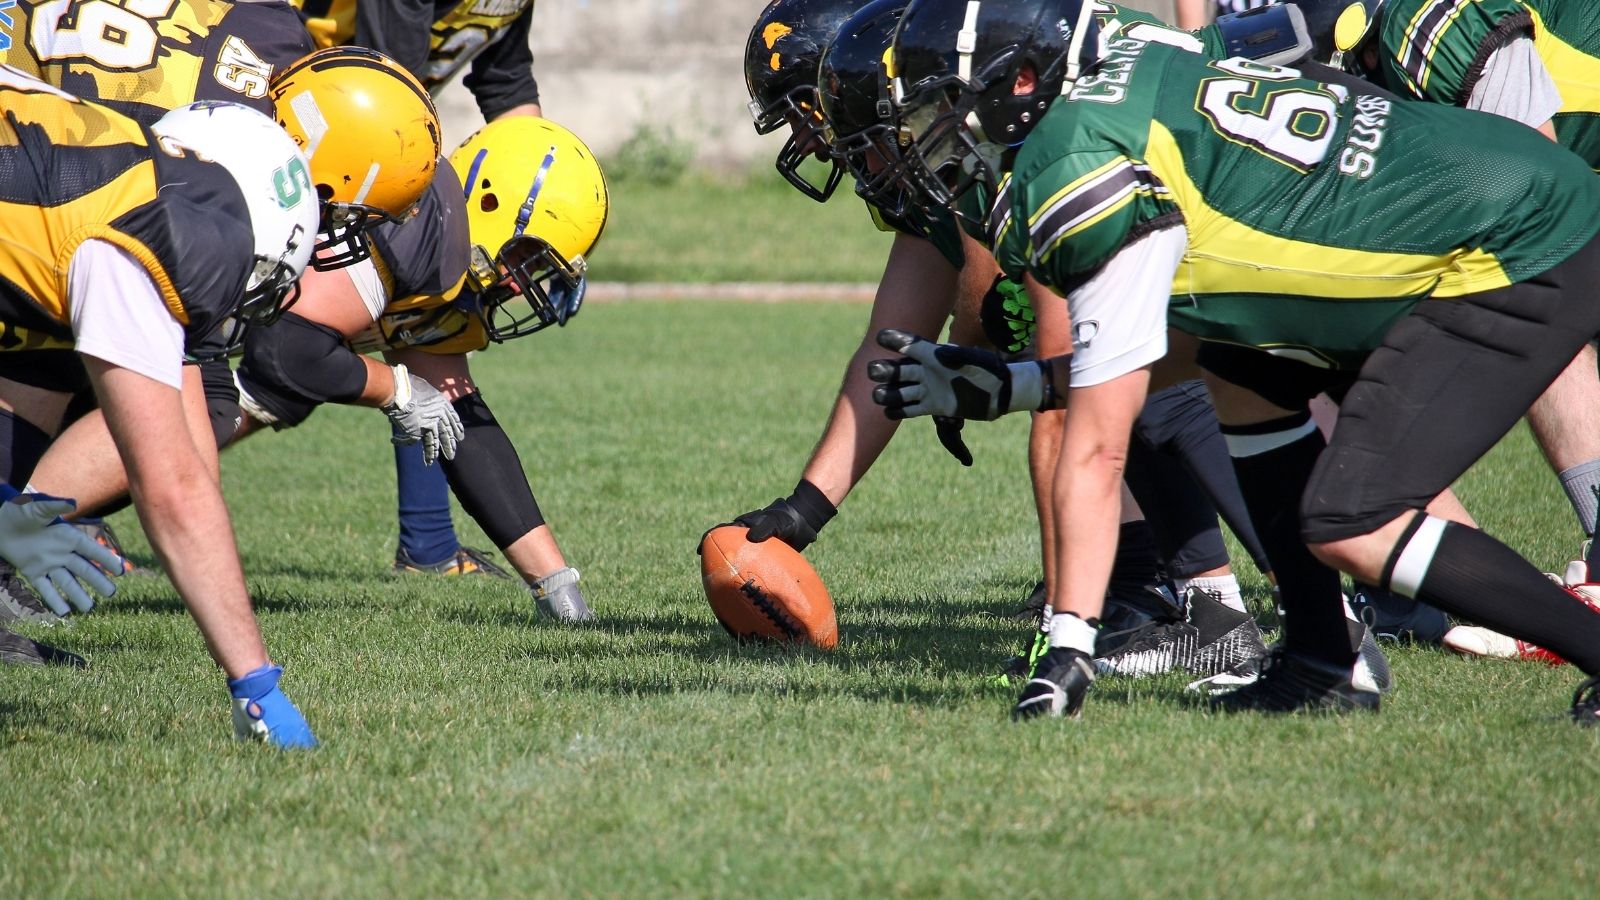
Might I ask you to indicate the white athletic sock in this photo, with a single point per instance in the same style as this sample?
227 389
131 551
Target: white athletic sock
1223 587
1067 630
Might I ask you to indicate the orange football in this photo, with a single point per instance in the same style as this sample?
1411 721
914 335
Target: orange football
765 591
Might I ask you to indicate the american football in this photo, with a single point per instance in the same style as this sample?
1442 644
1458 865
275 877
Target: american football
766 590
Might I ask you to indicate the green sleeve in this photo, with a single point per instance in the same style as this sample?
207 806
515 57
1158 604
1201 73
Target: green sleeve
1073 214
1435 50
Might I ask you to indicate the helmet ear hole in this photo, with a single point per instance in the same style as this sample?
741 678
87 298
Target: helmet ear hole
325 192
489 203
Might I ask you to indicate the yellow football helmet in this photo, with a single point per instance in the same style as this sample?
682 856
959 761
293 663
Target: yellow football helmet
372 135
535 193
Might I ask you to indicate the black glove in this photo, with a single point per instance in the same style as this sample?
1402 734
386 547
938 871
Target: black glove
795 519
948 428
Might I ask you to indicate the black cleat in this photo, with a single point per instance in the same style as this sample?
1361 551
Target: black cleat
1586 702
1032 609
19 603
1060 682
1291 682
1154 648
1372 666
1228 638
1393 617
17 650
466 561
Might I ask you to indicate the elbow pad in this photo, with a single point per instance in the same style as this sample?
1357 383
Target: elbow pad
293 366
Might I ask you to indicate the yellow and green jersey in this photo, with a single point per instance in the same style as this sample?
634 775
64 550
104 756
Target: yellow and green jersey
145 57
79 171
1316 214
1436 50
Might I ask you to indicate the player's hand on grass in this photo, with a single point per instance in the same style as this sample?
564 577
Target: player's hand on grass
52 554
261 712
795 519
951 380
421 413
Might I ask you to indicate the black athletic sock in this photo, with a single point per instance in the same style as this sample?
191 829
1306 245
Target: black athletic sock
1136 563
22 445
1272 481
1475 576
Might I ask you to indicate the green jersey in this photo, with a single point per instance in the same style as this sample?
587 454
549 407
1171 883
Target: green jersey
1436 50
1315 215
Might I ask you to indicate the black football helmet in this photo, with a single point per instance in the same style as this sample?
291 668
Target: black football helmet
858 117
780 69
1339 27
955 64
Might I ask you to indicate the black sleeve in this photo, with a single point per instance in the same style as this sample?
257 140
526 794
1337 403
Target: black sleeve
502 75
427 253
399 30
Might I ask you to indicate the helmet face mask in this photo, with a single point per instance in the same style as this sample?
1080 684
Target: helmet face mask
342 238
529 270
974 79
858 112
806 140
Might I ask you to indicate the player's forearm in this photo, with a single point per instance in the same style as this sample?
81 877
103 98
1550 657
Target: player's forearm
183 514
855 436
379 389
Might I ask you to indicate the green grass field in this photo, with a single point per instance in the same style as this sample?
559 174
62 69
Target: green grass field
765 230
472 749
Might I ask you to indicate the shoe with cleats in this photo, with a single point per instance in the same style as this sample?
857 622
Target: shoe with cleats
1476 640
1586 703
1060 683
1292 683
465 561
17 650
558 596
1214 638
19 603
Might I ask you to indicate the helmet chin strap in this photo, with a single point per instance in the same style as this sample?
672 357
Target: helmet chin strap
967 40
1080 32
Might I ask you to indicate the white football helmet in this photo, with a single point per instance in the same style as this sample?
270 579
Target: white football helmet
275 179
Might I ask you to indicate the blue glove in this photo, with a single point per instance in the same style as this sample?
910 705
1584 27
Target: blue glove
52 554
261 712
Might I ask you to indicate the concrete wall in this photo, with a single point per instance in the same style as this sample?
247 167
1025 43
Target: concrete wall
608 67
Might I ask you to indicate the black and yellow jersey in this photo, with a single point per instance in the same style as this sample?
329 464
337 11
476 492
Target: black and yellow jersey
1436 50
1316 214
489 35
422 263
76 171
145 57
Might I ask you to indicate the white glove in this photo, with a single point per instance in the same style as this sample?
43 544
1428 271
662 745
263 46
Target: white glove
52 554
951 380
420 413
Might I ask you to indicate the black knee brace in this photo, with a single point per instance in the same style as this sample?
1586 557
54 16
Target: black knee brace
487 476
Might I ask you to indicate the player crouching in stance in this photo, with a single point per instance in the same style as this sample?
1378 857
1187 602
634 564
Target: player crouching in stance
1148 188
434 291
134 243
